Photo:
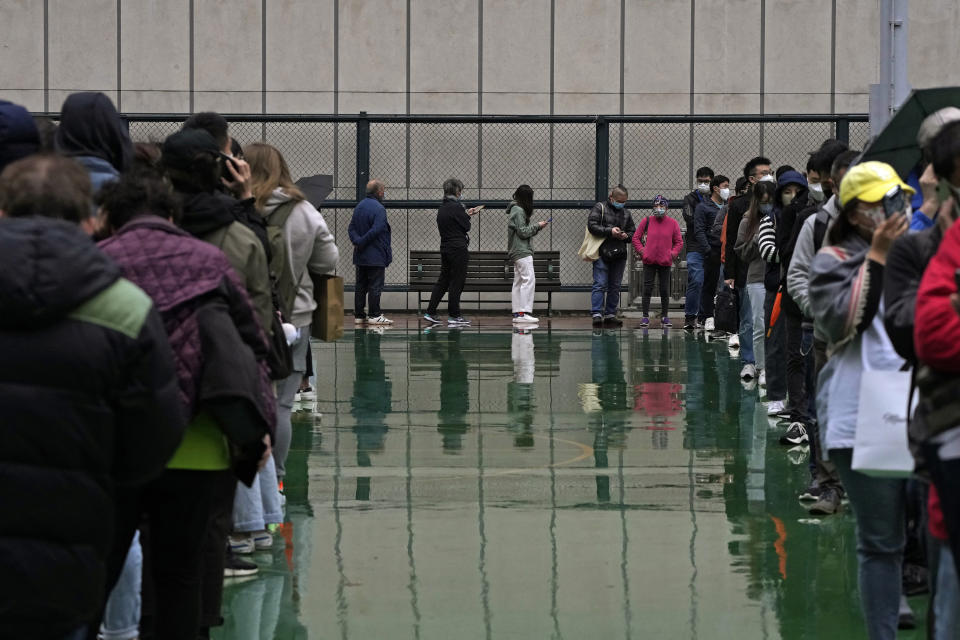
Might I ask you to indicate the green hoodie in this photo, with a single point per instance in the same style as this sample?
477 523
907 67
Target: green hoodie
519 233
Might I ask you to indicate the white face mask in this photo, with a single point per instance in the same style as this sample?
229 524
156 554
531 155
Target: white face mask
767 178
724 194
659 212
703 187
816 192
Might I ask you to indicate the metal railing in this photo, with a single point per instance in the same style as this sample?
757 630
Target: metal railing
570 161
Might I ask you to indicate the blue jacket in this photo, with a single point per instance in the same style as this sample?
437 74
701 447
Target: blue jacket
370 234
99 170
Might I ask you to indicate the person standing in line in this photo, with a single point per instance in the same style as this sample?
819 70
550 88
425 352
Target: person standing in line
610 220
748 250
453 223
658 244
846 297
520 252
709 251
690 201
694 252
372 254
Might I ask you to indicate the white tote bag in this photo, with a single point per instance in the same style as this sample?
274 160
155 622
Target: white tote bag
880 448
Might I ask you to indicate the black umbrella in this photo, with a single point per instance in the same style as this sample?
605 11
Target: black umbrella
897 143
316 188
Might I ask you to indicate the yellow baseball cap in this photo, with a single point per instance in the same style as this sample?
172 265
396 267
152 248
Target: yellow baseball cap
870 181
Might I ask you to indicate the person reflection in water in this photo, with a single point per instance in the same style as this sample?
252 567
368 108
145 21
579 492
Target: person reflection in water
604 399
659 399
370 404
454 394
520 390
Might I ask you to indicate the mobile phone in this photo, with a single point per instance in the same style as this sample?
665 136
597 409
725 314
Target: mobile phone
228 160
956 278
550 219
894 201
481 208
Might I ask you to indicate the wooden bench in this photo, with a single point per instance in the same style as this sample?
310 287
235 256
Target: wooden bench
488 271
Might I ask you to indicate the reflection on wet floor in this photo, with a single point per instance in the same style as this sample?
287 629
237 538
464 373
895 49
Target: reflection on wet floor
548 484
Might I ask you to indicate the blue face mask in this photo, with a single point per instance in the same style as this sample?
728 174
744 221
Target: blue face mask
616 205
766 208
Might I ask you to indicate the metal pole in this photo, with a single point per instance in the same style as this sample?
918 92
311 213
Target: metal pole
603 160
363 155
887 96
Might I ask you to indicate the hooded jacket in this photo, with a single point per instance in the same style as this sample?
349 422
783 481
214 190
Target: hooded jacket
370 234
18 133
183 276
311 249
798 274
91 129
658 240
769 228
520 232
210 217
89 401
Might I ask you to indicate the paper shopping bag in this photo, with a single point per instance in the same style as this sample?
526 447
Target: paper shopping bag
328 316
880 447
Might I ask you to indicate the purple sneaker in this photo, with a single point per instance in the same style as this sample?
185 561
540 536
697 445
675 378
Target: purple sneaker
645 322
665 322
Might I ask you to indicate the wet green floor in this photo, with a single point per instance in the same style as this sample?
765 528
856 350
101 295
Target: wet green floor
562 484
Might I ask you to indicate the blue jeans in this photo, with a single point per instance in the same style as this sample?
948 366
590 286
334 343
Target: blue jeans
746 328
946 604
757 295
879 505
606 282
259 505
121 618
694 284
286 394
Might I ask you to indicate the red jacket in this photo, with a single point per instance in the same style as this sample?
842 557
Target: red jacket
663 240
936 332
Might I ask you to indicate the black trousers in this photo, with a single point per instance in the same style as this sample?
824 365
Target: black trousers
711 276
825 474
651 271
179 508
453 274
369 285
946 478
799 371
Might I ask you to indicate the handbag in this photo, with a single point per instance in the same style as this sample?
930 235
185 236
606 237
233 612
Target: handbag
726 313
589 250
613 250
880 445
327 322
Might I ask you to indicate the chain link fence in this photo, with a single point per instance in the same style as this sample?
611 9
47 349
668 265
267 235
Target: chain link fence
557 156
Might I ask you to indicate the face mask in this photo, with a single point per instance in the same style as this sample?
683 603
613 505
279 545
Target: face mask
767 178
703 187
787 198
724 194
816 192
766 208
616 205
876 215
659 212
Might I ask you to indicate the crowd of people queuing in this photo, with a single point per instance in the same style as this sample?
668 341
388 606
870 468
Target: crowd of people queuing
155 311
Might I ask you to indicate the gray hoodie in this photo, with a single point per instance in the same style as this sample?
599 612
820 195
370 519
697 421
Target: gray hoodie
798 276
310 248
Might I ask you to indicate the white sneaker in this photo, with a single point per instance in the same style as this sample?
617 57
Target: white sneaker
763 378
733 341
357 320
262 540
749 372
708 324
526 319
380 319
776 407
242 543
308 394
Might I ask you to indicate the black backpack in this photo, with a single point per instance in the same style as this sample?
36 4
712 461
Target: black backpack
726 314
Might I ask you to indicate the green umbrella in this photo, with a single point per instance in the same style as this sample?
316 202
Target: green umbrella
897 143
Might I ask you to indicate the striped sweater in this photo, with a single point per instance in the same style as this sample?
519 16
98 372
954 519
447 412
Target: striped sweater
767 239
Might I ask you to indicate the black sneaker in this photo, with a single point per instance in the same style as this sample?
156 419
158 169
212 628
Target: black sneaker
597 322
828 504
796 434
612 322
238 568
690 323
811 493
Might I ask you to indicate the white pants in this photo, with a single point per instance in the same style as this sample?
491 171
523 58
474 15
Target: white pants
524 285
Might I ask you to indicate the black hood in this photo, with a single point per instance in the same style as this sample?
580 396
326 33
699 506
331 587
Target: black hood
205 212
47 268
91 126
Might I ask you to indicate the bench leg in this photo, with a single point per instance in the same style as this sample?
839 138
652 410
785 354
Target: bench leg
549 304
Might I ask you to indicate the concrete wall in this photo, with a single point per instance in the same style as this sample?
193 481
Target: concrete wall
463 56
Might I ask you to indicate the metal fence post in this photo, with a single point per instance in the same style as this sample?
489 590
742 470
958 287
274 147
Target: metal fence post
602 171
843 130
363 155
